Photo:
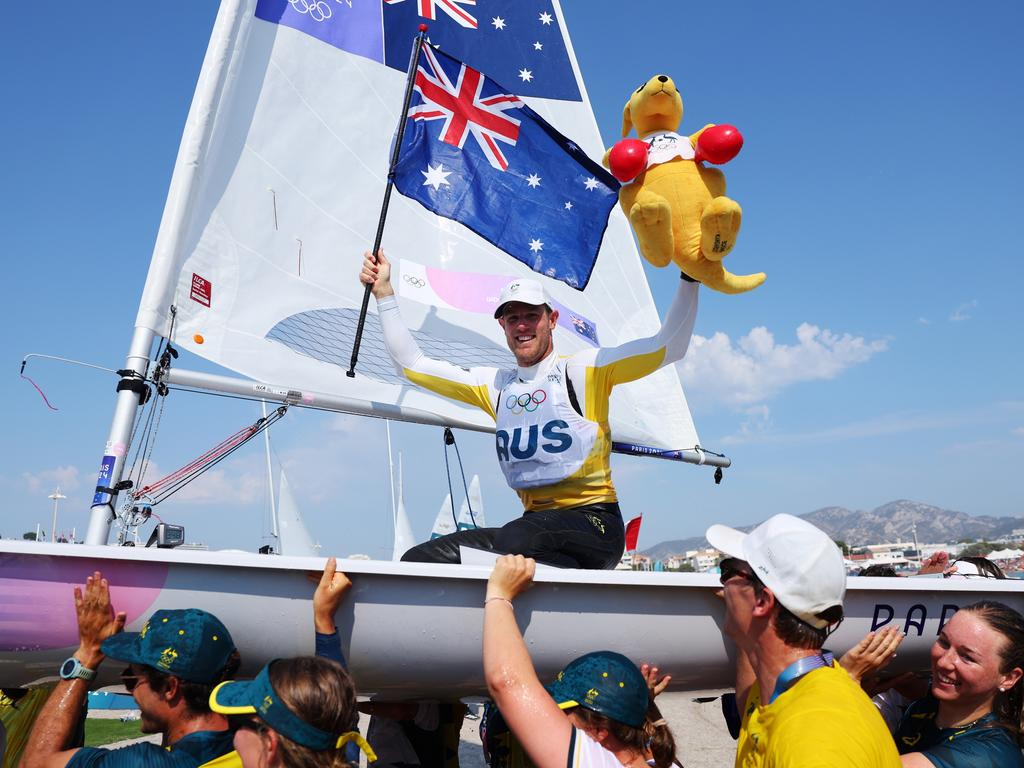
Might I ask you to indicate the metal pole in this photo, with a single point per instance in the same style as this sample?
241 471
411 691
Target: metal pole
402 119
270 478
116 450
391 480
56 496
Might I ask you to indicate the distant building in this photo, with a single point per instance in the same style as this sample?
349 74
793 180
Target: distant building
703 560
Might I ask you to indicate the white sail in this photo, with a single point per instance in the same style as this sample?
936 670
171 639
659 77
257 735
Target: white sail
293 538
404 538
445 521
275 196
471 512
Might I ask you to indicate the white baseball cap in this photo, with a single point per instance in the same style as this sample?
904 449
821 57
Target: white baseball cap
522 289
798 562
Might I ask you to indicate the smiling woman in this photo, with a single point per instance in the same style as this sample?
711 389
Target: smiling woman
972 715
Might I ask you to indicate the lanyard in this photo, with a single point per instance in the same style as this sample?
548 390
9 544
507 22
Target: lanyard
799 668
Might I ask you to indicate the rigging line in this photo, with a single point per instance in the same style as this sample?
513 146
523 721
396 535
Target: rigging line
210 458
42 394
446 435
465 488
59 359
198 471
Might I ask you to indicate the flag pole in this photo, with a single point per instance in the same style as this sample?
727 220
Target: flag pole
414 60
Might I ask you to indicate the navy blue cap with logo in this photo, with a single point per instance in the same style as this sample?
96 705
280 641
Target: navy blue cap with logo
188 643
605 682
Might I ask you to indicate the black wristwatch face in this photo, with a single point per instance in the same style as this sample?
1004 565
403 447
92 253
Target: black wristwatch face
67 668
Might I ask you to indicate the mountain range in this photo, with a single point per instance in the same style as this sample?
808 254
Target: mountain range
894 521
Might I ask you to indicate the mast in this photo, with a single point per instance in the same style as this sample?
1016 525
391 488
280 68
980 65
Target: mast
391 480
162 275
270 476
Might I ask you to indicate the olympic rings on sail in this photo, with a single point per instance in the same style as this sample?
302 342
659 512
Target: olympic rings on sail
525 402
318 10
415 282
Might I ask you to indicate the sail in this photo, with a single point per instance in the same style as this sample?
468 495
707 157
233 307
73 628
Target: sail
444 523
471 512
404 538
292 536
275 196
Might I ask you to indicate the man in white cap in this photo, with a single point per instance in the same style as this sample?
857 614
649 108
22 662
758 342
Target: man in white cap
552 434
783 585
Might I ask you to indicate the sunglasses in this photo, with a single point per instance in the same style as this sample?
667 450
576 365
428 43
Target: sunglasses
246 723
130 680
732 568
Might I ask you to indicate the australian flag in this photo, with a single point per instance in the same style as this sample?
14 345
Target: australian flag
509 39
474 152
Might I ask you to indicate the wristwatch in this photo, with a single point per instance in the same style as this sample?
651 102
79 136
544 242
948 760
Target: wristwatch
73 668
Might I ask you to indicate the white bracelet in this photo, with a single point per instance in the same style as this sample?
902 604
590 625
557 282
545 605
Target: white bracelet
502 599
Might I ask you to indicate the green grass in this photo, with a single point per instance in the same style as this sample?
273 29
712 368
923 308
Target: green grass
100 732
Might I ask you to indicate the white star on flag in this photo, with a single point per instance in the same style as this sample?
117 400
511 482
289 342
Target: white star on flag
436 177
498 22
536 245
545 18
568 205
538 46
525 75
591 183
533 180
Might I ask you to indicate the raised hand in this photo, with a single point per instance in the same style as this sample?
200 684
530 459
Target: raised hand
331 590
872 653
376 273
654 685
96 619
512 575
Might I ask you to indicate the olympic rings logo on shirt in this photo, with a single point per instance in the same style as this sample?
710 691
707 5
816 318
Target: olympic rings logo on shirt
416 282
525 402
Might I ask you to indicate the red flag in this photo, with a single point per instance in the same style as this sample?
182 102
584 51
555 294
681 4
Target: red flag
633 533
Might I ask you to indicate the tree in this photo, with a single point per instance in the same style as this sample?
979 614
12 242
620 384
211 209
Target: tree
843 546
29 536
979 549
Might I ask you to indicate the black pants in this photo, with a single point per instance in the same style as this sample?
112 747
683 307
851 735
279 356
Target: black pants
590 537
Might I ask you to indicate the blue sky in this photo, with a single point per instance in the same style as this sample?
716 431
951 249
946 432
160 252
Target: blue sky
879 182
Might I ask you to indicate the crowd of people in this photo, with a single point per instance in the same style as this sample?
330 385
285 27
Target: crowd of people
795 703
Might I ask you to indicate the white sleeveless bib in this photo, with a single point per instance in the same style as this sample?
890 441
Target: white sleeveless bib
540 439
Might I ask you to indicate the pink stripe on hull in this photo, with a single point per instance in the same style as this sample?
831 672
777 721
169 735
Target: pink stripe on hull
37 606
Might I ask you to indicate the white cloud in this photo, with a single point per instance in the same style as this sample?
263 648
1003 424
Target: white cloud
924 321
1018 432
884 425
755 367
48 479
962 312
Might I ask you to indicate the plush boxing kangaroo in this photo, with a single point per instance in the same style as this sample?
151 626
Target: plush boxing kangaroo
676 205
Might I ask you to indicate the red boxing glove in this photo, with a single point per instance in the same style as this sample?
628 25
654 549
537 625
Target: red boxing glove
718 144
628 159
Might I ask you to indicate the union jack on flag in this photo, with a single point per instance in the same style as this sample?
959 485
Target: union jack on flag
428 10
519 184
464 111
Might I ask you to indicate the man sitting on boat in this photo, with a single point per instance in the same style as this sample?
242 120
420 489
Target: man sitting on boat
174 664
553 438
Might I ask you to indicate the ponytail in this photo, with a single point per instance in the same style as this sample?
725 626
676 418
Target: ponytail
660 741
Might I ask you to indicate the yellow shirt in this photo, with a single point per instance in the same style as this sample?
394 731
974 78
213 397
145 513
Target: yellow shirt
824 719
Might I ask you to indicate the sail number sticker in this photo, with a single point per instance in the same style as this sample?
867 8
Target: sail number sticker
103 481
202 290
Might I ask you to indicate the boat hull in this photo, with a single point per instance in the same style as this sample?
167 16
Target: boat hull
411 629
